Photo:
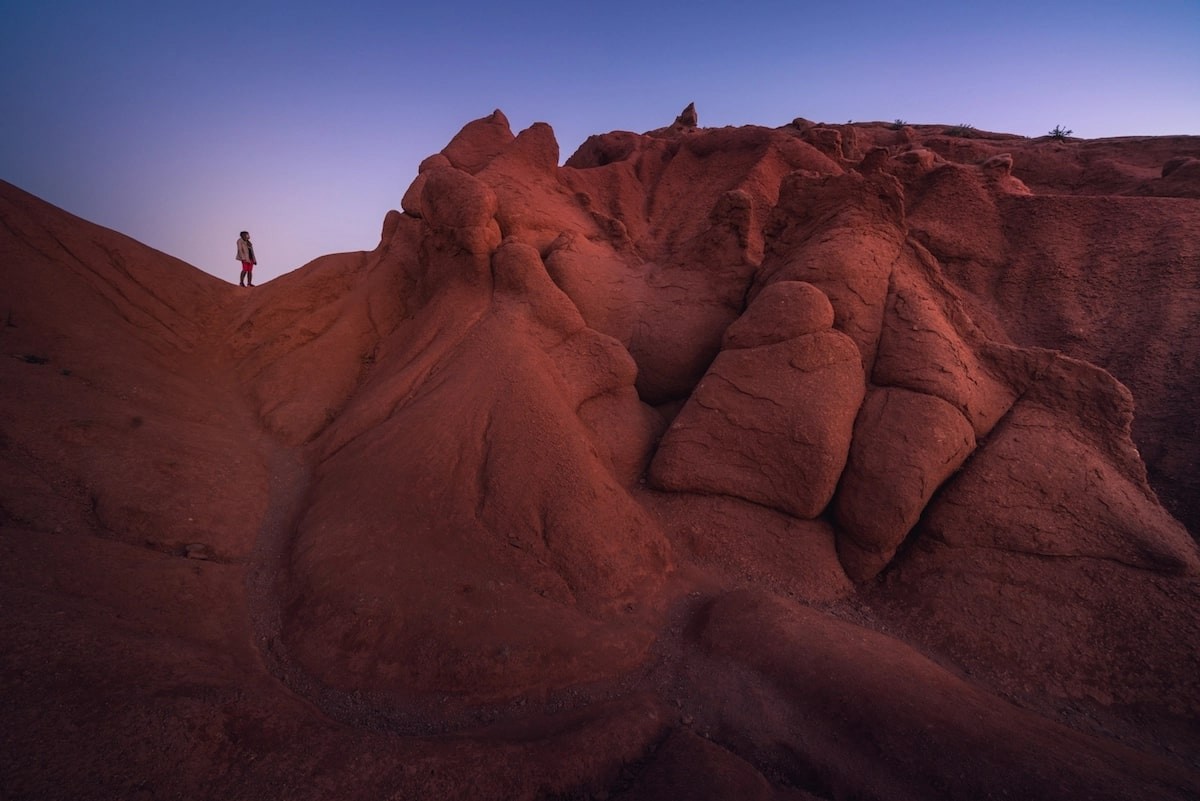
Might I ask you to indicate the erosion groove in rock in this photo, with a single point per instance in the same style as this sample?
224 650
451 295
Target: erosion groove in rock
814 462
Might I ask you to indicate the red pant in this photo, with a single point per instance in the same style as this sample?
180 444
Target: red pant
247 266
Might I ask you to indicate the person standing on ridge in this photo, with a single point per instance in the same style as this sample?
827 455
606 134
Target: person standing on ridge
245 254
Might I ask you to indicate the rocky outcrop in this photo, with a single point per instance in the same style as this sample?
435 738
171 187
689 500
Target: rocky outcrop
770 422
811 462
688 117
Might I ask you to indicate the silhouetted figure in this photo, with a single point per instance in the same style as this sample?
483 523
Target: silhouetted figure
245 254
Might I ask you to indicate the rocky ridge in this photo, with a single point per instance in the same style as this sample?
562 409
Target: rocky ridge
808 462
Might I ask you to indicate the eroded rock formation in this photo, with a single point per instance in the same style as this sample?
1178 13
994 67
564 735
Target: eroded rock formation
788 463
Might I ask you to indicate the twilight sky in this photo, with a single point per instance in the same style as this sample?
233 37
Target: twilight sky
180 124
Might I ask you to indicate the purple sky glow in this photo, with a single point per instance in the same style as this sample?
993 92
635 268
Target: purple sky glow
180 124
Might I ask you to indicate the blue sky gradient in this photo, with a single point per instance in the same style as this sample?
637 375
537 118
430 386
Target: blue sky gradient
181 124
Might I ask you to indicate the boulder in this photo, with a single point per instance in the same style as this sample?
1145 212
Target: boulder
906 444
770 424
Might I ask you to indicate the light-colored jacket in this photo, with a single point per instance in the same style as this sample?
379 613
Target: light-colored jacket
244 252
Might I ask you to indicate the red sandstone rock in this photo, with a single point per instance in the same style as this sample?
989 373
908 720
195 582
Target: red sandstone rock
905 445
842 234
769 423
784 310
821 681
479 142
929 345
393 503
